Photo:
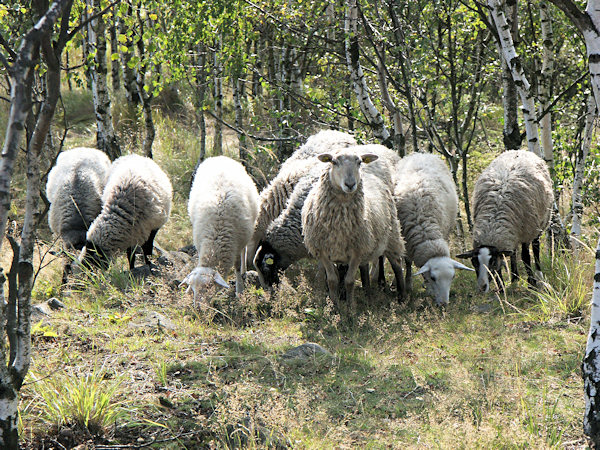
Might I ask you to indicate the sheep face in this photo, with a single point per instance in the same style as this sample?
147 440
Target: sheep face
268 264
93 256
487 261
344 171
438 273
200 278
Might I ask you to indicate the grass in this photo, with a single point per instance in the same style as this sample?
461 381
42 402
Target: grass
484 372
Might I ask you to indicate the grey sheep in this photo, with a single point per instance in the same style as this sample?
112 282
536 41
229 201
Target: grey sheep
136 203
223 206
427 206
349 217
74 190
512 203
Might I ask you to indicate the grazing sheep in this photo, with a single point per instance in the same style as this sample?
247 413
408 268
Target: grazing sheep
74 190
349 217
136 202
512 202
223 207
427 205
273 199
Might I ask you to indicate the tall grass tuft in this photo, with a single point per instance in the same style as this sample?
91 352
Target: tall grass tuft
86 402
565 290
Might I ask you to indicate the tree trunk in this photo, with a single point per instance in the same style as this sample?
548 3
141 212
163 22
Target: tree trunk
239 119
106 139
145 97
510 132
518 75
114 50
545 83
373 116
218 99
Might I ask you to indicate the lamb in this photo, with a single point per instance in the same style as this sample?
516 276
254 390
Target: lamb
223 207
349 218
427 205
512 203
74 190
136 203
273 199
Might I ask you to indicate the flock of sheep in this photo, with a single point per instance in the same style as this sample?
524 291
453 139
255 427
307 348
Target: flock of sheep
347 205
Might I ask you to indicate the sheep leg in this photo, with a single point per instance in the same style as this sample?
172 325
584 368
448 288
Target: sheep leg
349 285
381 273
239 281
400 285
514 271
131 256
67 269
332 280
408 276
148 246
526 257
364 276
535 245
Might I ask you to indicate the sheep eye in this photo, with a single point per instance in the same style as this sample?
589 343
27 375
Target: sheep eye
432 278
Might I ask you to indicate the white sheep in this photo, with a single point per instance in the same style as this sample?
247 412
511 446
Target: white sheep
512 202
349 217
274 198
136 202
74 190
427 205
223 206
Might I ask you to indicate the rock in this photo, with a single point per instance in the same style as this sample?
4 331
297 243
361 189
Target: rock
177 258
141 272
251 278
55 304
45 309
305 351
154 320
189 249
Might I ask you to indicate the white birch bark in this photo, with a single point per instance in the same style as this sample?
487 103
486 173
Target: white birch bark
545 82
105 135
582 154
523 87
363 94
510 132
218 99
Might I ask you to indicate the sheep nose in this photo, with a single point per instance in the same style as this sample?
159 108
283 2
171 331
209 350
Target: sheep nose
350 185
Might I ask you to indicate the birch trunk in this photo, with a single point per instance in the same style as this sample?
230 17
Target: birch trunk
544 84
510 132
115 71
239 119
106 139
145 96
582 154
363 95
218 99
518 75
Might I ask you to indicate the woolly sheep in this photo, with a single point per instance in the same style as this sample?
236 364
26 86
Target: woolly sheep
427 205
74 190
136 202
512 202
223 207
273 199
349 218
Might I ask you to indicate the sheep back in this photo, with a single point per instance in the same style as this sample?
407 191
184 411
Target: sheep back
74 190
136 200
512 201
223 206
427 205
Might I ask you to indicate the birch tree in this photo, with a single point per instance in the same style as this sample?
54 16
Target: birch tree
510 132
359 82
518 75
106 140
15 309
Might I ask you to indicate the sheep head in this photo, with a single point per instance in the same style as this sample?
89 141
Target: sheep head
344 170
200 278
487 260
439 273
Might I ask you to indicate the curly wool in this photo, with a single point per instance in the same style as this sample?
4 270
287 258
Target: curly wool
223 206
74 190
136 200
427 205
512 201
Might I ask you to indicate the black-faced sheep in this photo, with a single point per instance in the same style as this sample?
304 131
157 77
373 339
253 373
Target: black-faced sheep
223 207
512 202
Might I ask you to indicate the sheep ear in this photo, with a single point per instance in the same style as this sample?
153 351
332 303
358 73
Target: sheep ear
458 265
369 158
219 280
325 157
422 270
466 255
